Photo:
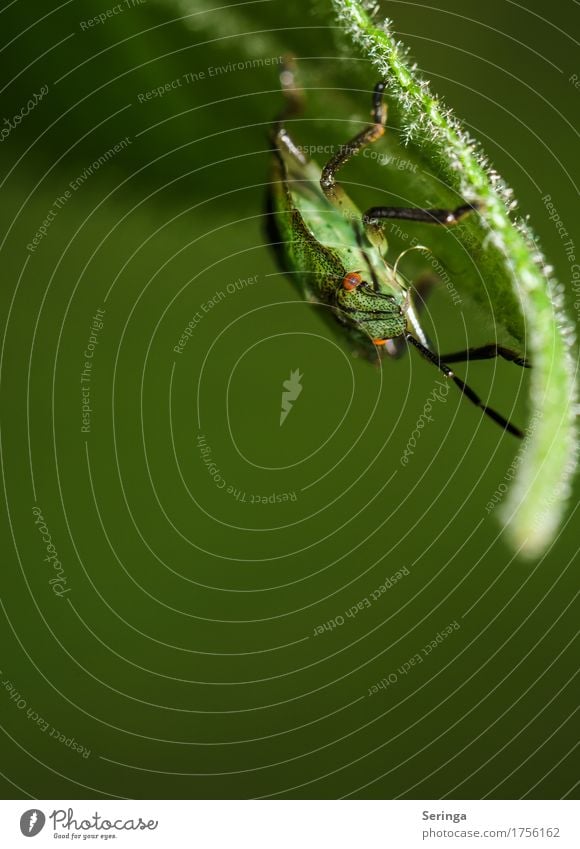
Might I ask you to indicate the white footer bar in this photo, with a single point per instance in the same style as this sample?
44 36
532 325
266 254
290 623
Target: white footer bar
291 824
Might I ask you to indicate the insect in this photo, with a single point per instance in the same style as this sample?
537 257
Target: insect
337 256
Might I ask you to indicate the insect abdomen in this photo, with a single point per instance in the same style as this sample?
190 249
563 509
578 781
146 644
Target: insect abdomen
316 269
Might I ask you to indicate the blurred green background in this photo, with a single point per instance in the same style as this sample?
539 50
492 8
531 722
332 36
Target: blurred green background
182 651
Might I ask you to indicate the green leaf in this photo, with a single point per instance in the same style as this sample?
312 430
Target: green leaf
525 297
506 275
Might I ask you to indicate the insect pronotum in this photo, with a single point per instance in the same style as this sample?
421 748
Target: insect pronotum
337 256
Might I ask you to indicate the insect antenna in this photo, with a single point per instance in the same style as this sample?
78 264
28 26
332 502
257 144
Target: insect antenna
463 387
408 250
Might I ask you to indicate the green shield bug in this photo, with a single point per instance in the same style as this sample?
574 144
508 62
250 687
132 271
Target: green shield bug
337 256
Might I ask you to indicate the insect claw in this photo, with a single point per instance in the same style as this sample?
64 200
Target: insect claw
457 215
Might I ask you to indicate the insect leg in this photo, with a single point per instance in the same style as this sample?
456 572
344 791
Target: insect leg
463 387
346 151
446 217
487 352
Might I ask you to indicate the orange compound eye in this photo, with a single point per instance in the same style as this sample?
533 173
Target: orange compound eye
351 281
